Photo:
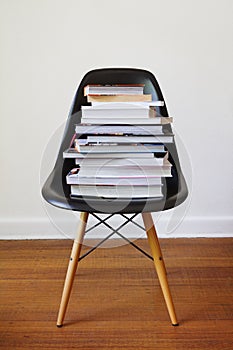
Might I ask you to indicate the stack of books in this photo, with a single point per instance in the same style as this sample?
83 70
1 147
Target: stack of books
119 146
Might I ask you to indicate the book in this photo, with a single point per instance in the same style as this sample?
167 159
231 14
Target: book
161 138
73 178
135 121
159 161
122 173
126 172
149 157
118 112
117 104
122 89
119 98
116 191
120 129
73 153
121 148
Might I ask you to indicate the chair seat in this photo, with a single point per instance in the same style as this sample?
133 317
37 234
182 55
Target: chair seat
53 191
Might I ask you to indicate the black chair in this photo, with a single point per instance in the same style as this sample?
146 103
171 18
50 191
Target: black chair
57 192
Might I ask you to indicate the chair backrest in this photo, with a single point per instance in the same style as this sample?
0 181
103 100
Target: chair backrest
118 76
110 76
57 192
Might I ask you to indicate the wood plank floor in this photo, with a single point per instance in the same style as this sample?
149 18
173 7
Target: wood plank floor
116 302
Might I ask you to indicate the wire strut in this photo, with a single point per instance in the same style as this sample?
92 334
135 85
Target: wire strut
115 231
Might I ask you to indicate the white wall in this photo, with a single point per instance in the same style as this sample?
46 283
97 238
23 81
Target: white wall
46 48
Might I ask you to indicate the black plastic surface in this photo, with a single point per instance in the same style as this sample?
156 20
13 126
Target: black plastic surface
57 192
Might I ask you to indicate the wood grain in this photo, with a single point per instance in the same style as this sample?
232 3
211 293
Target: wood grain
116 301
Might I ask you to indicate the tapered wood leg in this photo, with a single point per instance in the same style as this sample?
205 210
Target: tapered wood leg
159 264
72 267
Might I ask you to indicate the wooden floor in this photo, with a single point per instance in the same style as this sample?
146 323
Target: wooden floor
116 301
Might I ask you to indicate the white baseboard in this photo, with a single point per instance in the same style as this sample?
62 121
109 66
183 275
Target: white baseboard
43 228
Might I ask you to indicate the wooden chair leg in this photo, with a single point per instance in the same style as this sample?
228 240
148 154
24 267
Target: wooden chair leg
72 267
159 264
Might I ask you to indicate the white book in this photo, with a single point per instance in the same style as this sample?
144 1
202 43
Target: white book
118 129
109 191
128 139
73 153
115 148
129 121
73 178
126 172
118 162
122 89
118 112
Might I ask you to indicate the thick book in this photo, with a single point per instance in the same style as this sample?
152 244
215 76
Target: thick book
121 173
118 162
73 178
118 112
122 89
83 129
118 148
110 191
119 98
73 153
161 138
126 172
158 120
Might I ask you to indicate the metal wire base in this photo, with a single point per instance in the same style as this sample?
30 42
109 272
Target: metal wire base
115 231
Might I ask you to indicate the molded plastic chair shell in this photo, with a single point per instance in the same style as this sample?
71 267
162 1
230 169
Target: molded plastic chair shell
57 192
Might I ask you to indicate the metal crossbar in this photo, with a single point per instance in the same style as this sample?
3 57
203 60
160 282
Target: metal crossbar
99 223
115 231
